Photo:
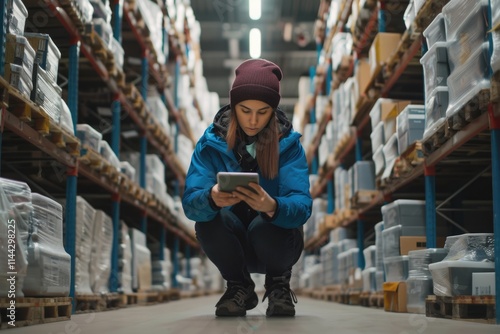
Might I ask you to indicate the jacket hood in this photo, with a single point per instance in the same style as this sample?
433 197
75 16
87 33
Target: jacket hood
221 121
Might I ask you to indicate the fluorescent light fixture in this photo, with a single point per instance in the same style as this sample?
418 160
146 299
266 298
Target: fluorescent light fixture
255 43
254 9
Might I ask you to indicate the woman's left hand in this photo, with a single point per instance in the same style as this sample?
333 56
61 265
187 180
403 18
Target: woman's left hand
258 199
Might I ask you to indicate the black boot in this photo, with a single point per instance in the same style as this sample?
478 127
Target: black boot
281 297
238 298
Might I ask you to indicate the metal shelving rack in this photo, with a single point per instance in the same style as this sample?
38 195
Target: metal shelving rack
486 124
162 218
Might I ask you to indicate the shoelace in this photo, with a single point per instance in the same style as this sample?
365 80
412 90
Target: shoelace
283 289
238 295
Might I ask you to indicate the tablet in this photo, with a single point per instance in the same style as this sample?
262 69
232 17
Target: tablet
228 181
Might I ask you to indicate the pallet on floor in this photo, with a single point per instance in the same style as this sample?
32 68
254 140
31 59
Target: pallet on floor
350 297
145 298
31 311
86 303
128 299
468 308
371 299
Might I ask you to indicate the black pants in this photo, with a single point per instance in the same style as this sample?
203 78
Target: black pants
237 248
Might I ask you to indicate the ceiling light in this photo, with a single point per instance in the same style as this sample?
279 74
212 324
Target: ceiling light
255 43
254 9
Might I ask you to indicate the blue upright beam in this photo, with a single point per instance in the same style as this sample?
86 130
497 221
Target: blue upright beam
115 247
163 243
382 16
116 110
71 179
188 260
144 140
331 197
495 175
3 33
117 19
430 205
70 226
175 262
360 225
361 242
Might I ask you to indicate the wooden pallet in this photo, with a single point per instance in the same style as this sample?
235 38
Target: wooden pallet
112 301
331 292
469 308
128 299
147 297
350 297
474 108
32 311
363 198
371 299
430 9
89 303
413 156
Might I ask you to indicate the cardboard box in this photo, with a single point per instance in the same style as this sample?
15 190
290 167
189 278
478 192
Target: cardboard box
407 244
395 297
392 108
362 74
383 47
483 284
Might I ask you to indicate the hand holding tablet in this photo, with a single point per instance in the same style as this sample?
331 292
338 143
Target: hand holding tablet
228 181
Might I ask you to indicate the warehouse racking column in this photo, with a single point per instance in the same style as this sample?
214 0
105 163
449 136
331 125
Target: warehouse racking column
144 140
430 206
187 256
3 32
115 146
71 179
381 16
312 116
175 262
163 243
494 115
360 224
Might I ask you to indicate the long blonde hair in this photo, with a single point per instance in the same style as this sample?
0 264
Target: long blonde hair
266 145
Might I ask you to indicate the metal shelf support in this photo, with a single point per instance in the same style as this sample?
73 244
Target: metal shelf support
163 243
331 197
116 130
3 32
430 205
187 259
495 175
381 16
70 225
118 19
175 262
71 179
361 242
115 212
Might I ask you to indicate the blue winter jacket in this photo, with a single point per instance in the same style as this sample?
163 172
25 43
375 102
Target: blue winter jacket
290 188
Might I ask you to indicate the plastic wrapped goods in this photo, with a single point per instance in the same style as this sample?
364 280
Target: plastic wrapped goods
85 216
468 253
125 260
48 263
15 213
100 265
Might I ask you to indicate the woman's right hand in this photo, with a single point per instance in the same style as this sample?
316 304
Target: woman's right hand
221 198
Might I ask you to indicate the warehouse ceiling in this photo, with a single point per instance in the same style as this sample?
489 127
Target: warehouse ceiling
287 29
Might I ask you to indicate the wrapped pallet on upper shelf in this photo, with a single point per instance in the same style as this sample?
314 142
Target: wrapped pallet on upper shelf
19 63
108 155
495 14
102 9
16 210
153 19
48 263
467 254
16 17
85 10
410 126
47 54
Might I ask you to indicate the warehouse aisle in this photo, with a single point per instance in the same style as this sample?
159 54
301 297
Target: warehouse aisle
196 316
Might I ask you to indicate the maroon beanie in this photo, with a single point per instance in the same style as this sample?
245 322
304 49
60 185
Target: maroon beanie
256 79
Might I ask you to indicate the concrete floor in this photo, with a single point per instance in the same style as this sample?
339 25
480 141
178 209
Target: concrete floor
196 316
